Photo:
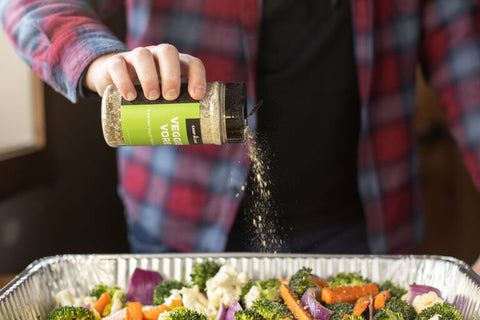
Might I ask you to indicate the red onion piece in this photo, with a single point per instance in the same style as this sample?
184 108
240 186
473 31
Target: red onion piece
370 309
312 305
221 313
234 307
141 286
418 289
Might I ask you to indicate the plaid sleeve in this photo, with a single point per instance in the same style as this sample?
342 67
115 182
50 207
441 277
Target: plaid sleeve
57 39
451 55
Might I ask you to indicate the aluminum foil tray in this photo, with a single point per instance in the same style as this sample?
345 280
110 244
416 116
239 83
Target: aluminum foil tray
31 294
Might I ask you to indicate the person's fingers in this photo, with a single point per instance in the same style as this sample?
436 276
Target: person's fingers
170 75
118 71
194 69
145 68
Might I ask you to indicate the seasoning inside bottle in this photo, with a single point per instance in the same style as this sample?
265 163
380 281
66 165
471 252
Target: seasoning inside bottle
220 117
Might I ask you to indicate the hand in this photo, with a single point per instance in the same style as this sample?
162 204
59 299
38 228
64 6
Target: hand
150 67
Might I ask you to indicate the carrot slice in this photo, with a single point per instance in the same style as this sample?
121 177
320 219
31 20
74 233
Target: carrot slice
348 293
153 313
321 283
102 302
361 305
381 298
346 316
294 304
122 314
176 303
135 309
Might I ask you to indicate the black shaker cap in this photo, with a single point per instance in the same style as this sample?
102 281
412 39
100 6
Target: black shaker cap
235 111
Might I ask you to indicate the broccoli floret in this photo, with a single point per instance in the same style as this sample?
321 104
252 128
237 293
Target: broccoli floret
70 313
445 311
347 279
387 314
271 310
248 315
340 309
101 288
356 318
184 313
162 290
398 305
269 289
301 281
202 271
395 290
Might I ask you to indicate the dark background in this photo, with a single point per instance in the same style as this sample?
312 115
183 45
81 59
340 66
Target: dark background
63 199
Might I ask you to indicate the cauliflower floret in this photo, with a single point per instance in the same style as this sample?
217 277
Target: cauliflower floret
85 301
65 298
225 287
426 300
193 299
252 295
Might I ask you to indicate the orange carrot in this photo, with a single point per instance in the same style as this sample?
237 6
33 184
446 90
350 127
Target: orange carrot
348 293
321 283
176 303
346 316
153 313
294 304
361 305
135 310
122 314
381 299
102 302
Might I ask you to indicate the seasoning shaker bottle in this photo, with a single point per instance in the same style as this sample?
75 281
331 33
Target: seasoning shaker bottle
220 117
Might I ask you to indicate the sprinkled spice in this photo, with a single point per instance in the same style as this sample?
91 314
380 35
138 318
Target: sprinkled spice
220 117
265 232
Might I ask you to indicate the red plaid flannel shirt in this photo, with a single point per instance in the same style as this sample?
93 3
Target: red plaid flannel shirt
185 197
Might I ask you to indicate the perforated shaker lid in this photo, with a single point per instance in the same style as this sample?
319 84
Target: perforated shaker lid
235 111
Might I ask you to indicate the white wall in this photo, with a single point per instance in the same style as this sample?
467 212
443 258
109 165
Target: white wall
17 108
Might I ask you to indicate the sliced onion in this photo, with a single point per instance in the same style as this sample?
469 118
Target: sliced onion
141 286
418 289
234 307
221 313
370 309
312 305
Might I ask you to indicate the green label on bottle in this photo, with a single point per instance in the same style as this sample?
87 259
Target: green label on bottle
161 124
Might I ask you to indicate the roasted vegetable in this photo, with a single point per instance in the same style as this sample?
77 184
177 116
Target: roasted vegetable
444 311
398 305
70 313
162 291
202 271
395 290
269 289
248 315
301 281
184 313
271 310
387 314
347 279
340 309
101 288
